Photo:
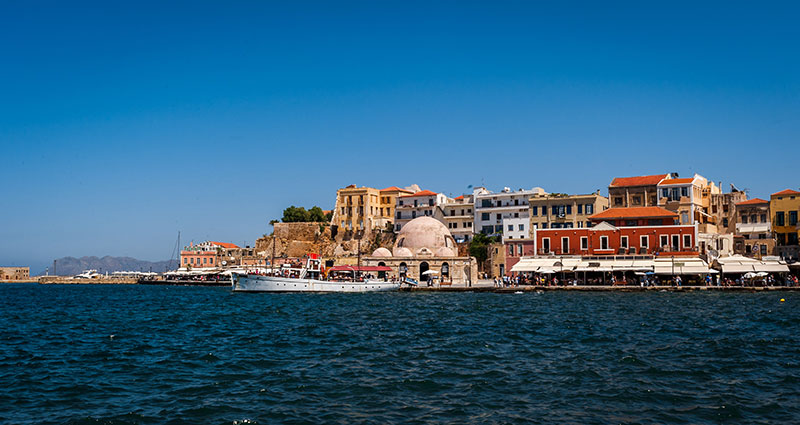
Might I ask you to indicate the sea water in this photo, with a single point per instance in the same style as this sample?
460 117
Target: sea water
93 354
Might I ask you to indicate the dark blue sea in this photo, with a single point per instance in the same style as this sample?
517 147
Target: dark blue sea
78 354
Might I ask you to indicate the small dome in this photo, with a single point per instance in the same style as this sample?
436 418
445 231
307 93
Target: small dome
381 252
402 252
445 252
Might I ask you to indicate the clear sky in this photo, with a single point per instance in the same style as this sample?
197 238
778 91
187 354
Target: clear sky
122 123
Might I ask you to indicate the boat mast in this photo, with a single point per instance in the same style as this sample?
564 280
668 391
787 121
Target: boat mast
358 269
272 262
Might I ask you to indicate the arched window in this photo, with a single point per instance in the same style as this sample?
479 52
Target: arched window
445 270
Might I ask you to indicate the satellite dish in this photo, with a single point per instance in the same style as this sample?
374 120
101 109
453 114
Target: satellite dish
224 263
713 254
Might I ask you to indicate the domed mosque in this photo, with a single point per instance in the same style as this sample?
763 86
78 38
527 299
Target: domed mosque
424 248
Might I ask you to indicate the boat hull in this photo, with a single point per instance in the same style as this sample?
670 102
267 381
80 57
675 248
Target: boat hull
261 283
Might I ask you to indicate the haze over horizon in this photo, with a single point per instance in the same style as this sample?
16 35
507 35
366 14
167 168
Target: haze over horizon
123 124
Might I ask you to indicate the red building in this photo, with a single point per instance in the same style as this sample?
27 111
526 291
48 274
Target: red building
638 231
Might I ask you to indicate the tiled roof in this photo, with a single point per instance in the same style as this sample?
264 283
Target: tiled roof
678 181
637 181
422 193
394 189
226 245
460 197
634 212
786 192
753 201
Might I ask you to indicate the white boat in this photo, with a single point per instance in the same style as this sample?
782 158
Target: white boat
309 278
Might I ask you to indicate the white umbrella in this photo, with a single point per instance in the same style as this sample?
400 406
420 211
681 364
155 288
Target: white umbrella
546 271
427 272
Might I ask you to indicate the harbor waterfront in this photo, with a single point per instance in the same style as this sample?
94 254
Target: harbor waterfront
85 354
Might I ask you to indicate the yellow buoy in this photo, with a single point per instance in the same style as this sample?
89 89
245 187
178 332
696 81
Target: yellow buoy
782 300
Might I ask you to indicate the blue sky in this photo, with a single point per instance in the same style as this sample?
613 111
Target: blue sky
123 123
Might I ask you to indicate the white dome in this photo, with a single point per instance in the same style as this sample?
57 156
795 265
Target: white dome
381 252
425 236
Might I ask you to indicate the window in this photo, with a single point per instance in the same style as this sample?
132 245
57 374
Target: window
569 209
753 218
603 242
674 194
413 214
521 227
580 208
544 225
684 218
519 250
687 241
762 236
792 218
779 219
400 202
644 241
664 241
546 245
554 210
211 260
516 202
416 202
584 242
725 222
744 219
675 242
665 193
565 245
498 217
623 242
453 213
684 191
185 260
485 216
511 250
763 250
534 210
510 227
589 209
486 203
618 200
637 200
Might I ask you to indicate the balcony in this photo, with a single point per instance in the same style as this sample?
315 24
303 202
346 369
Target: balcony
742 228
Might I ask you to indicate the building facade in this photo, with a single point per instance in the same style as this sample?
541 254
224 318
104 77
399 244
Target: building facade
503 213
457 214
784 207
388 200
560 211
421 204
753 229
357 209
690 198
723 207
15 273
640 191
207 254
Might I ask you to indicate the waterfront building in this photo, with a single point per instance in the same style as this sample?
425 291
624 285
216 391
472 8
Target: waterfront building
207 254
457 214
562 211
420 204
357 209
15 273
690 198
754 236
503 213
639 191
388 200
784 207
425 248
723 207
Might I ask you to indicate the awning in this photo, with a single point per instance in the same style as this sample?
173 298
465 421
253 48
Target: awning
556 264
770 267
681 266
741 264
610 265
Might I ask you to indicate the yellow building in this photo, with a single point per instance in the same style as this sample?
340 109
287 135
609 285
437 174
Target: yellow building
784 207
561 211
14 273
386 208
357 208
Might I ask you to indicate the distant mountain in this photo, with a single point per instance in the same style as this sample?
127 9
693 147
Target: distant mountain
70 266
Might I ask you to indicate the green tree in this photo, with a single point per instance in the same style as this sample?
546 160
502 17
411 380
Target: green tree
315 214
329 216
295 214
479 247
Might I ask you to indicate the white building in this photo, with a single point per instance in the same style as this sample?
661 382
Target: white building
457 214
420 204
503 213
